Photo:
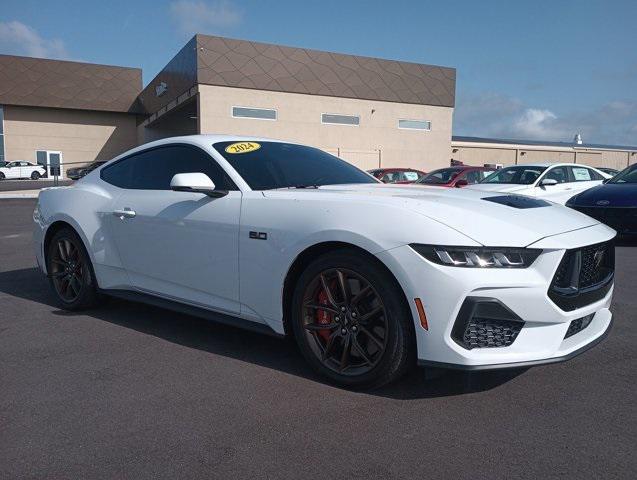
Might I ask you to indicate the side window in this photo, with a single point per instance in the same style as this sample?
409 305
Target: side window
558 173
389 177
583 174
409 176
120 173
473 176
155 168
485 173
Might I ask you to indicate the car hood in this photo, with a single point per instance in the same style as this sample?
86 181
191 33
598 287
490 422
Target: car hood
611 194
466 211
499 187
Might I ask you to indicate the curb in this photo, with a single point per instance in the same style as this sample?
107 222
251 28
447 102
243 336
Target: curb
10 195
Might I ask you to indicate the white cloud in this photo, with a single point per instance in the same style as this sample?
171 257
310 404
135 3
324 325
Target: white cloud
535 123
499 116
204 17
20 39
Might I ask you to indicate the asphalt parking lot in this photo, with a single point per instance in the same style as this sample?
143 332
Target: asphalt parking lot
130 391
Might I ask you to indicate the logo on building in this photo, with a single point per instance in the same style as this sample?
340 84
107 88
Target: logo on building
161 89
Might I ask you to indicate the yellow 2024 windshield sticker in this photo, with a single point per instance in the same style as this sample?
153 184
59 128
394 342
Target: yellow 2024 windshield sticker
242 147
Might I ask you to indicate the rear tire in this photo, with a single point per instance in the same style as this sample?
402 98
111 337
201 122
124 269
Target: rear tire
35 176
70 271
359 334
1 176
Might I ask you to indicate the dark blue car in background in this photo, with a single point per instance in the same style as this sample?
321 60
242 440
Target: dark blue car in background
613 203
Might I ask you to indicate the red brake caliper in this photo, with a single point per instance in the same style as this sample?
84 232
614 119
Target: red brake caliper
323 317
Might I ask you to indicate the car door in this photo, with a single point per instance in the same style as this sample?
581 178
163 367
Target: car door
559 192
12 170
179 245
26 169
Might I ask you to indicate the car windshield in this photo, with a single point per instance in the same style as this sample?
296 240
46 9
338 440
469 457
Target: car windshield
628 175
439 177
518 175
270 165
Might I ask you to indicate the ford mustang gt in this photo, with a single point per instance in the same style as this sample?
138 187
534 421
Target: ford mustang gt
289 240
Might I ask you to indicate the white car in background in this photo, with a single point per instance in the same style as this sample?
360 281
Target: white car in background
21 169
369 278
556 182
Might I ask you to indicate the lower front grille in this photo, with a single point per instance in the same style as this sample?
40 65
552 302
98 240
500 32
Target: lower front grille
578 325
485 323
584 276
488 333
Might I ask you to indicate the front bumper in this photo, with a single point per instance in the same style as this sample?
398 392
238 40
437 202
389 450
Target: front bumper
443 290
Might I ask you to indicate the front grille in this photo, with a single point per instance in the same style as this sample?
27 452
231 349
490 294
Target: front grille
578 325
622 219
584 276
485 323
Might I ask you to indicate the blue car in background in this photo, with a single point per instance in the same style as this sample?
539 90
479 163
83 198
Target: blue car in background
613 203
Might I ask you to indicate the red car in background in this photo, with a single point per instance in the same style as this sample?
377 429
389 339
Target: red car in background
459 176
397 175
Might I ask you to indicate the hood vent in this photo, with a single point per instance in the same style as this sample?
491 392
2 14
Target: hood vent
518 201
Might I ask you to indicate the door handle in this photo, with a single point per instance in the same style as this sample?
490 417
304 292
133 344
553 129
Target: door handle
126 213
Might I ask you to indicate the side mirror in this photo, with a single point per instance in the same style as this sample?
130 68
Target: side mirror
196 183
461 183
548 182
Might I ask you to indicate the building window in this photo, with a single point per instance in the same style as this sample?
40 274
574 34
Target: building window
337 119
1 134
415 124
258 113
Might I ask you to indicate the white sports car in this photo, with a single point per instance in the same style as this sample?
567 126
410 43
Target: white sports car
557 182
369 278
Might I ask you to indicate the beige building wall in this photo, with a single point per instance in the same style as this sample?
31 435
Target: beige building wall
82 136
377 141
511 154
545 156
480 156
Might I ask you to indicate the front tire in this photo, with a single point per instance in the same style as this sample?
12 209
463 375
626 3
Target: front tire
70 271
1 176
351 321
35 176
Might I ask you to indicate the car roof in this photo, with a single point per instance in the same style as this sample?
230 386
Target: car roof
464 167
548 164
396 169
205 141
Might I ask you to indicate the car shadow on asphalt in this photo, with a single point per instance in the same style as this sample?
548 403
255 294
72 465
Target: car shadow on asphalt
262 350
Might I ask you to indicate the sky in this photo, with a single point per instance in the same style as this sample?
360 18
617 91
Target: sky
536 69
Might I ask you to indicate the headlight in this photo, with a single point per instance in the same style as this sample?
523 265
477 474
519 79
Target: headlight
478 257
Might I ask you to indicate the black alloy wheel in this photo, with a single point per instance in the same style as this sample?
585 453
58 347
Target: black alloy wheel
345 321
351 320
70 271
35 176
